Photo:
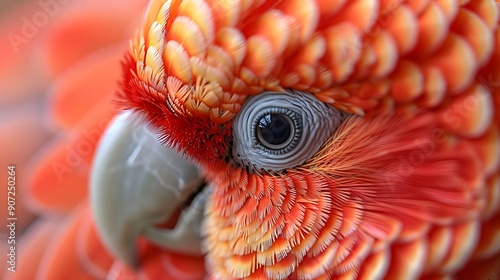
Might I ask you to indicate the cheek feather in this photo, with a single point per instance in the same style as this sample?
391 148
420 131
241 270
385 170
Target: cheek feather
266 225
398 162
394 181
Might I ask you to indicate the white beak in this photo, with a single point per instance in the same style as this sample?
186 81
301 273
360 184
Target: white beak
137 183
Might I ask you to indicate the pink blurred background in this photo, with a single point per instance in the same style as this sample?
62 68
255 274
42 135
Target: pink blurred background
60 67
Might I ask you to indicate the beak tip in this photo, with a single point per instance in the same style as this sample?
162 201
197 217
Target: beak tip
127 253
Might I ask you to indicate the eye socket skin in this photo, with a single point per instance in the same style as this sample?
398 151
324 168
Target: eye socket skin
280 130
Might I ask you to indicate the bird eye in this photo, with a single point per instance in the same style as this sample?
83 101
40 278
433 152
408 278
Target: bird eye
275 131
279 130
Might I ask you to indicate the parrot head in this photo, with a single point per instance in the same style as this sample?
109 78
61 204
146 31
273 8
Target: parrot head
336 138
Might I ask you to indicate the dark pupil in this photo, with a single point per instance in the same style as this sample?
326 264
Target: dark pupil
274 129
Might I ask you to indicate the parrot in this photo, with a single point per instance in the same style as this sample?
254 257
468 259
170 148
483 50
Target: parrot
309 139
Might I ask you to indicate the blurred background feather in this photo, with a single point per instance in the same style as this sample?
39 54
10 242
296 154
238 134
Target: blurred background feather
60 63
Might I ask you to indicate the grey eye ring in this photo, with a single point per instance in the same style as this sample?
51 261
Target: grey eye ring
280 130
